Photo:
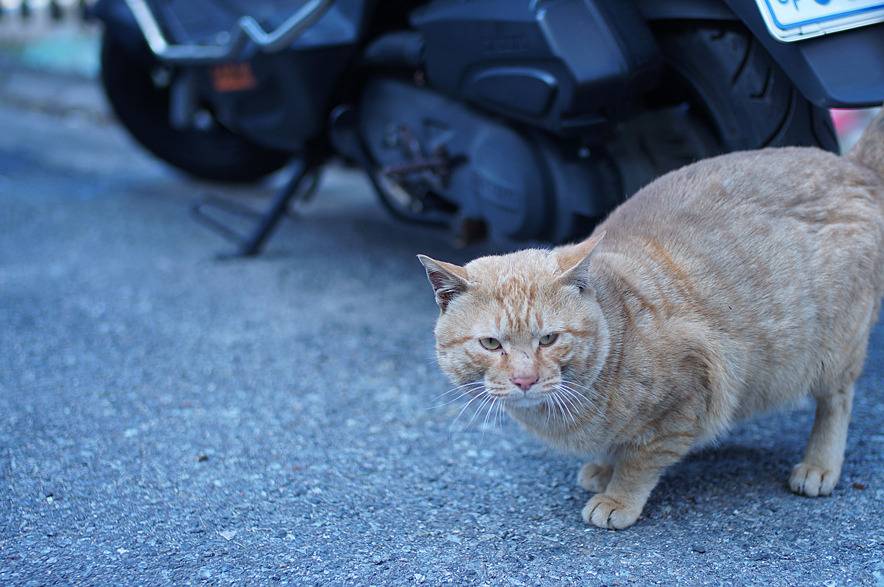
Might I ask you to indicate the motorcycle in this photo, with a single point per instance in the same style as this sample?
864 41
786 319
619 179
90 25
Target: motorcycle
511 119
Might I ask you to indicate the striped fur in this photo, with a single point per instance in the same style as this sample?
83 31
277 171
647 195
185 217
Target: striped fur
729 287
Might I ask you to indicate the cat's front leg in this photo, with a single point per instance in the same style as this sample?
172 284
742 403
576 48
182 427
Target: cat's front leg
594 477
634 476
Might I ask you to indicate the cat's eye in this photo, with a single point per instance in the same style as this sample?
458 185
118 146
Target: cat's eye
490 344
548 339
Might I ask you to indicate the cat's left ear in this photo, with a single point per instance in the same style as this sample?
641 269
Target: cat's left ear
574 261
448 280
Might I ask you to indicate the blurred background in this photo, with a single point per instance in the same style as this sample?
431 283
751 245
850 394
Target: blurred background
51 36
57 36
51 60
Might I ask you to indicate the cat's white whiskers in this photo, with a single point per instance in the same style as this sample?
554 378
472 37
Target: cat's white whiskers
488 397
567 404
580 401
465 390
587 402
566 398
570 392
458 388
448 403
568 411
576 388
548 404
439 406
577 394
491 406
558 403
588 391
462 395
482 393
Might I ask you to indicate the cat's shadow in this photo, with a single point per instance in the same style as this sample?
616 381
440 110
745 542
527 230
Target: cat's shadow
718 472
728 473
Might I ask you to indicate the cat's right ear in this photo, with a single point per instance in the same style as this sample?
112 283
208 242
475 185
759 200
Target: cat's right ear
448 280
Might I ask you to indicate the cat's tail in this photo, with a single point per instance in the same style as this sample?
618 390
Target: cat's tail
869 151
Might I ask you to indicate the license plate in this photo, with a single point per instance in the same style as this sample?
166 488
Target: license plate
795 20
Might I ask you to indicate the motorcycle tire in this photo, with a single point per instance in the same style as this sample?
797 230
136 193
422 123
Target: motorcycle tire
750 102
142 106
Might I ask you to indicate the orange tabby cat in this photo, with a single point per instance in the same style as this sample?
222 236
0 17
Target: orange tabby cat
725 288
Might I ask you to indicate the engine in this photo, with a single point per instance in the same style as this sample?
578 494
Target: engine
505 122
439 159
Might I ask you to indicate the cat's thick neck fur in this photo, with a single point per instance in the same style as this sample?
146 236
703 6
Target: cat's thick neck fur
627 363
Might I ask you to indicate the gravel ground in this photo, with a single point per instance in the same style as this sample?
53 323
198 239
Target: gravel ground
171 418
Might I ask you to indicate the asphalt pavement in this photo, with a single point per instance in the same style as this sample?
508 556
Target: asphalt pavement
169 418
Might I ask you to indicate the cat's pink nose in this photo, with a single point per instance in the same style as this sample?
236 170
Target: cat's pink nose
524 382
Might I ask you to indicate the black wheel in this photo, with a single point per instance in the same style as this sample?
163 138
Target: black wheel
721 92
751 101
139 96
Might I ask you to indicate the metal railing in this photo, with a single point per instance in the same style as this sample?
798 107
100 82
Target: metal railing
247 32
230 43
54 10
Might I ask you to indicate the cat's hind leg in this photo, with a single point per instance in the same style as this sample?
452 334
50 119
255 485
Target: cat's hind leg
593 477
817 474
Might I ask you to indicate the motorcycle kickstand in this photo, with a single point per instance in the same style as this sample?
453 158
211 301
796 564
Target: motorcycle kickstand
251 244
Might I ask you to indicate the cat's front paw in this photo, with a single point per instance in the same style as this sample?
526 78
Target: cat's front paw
812 481
594 477
605 511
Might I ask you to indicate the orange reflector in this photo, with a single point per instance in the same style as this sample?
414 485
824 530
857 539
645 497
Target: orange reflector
233 77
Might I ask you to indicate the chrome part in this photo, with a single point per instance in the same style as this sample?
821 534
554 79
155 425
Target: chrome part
248 29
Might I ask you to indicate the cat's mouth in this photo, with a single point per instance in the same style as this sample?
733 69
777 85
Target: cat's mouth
550 395
525 403
524 399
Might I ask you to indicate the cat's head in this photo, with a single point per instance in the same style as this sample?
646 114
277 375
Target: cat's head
525 324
